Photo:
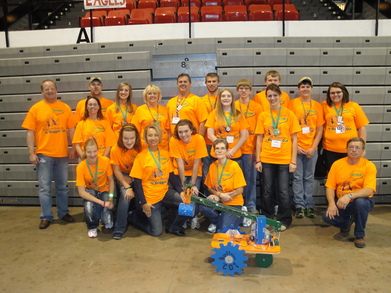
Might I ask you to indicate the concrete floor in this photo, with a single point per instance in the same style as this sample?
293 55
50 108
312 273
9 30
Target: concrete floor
63 259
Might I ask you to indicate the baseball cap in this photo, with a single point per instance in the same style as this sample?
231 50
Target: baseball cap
92 78
303 79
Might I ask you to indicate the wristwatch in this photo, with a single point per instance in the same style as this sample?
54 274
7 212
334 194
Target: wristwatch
350 195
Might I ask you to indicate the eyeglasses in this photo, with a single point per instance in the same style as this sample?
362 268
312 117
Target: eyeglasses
335 93
353 147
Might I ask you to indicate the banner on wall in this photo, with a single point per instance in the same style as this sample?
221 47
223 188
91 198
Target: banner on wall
97 4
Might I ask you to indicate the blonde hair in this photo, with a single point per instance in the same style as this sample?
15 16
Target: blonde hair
219 107
152 88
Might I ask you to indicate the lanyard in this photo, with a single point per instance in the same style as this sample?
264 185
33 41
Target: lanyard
275 122
219 178
306 113
157 114
124 115
157 162
228 121
338 111
210 103
95 176
179 105
245 113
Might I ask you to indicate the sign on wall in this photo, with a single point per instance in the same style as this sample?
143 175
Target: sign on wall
96 4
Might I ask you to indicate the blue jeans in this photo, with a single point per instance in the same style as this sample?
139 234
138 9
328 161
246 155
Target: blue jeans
121 221
48 169
303 181
276 173
94 212
250 174
359 210
221 219
154 224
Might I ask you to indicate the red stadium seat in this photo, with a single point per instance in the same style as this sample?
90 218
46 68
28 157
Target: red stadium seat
250 2
273 2
147 4
119 12
289 15
97 13
183 14
235 13
192 3
141 16
287 7
260 12
211 13
131 4
165 15
169 3
233 2
85 21
114 20
212 3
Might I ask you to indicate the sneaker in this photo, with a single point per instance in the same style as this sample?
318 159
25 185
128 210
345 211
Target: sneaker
310 213
246 221
299 213
117 235
359 242
195 224
93 233
346 231
212 228
282 228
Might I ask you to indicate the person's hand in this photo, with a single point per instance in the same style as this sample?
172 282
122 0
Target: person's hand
229 154
292 168
310 152
73 154
258 166
129 194
147 209
332 211
343 201
213 197
194 190
33 158
301 151
226 196
109 205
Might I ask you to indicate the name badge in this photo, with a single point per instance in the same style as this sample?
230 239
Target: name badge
175 120
305 130
276 143
179 108
230 138
340 129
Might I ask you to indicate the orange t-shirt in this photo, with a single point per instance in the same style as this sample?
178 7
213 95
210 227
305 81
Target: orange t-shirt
251 113
84 178
221 132
123 158
288 124
118 119
353 117
261 99
81 106
154 180
231 179
346 178
210 103
145 116
192 108
50 121
310 116
195 149
98 129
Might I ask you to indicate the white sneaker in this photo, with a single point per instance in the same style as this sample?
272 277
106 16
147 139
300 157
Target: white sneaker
184 225
246 221
212 228
195 224
93 233
282 228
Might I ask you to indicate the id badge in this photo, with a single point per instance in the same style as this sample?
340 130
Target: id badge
276 143
230 138
179 108
175 120
305 130
340 129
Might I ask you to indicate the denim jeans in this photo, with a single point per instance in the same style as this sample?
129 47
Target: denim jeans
94 212
359 210
278 173
221 219
154 224
250 174
121 221
48 169
206 162
303 181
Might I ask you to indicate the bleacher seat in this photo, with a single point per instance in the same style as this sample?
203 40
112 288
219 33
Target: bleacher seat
251 2
86 22
260 12
119 12
233 2
289 15
131 4
273 2
192 3
212 2
211 13
183 14
287 7
141 16
165 15
97 13
147 4
115 20
235 13
169 3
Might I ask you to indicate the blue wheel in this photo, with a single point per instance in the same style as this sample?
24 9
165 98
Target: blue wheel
229 259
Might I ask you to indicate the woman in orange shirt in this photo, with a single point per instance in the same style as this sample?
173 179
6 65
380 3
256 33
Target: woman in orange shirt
151 172
122 111
94 126
344 120
225 182
95 184
122 157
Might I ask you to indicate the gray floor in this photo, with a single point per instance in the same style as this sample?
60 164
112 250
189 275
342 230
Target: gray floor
63 259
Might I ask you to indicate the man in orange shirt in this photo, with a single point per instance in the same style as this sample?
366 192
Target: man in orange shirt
48 123
350 186
95 86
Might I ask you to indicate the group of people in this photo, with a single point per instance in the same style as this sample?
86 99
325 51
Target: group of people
213 145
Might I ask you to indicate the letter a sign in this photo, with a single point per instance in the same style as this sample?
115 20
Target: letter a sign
96 4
